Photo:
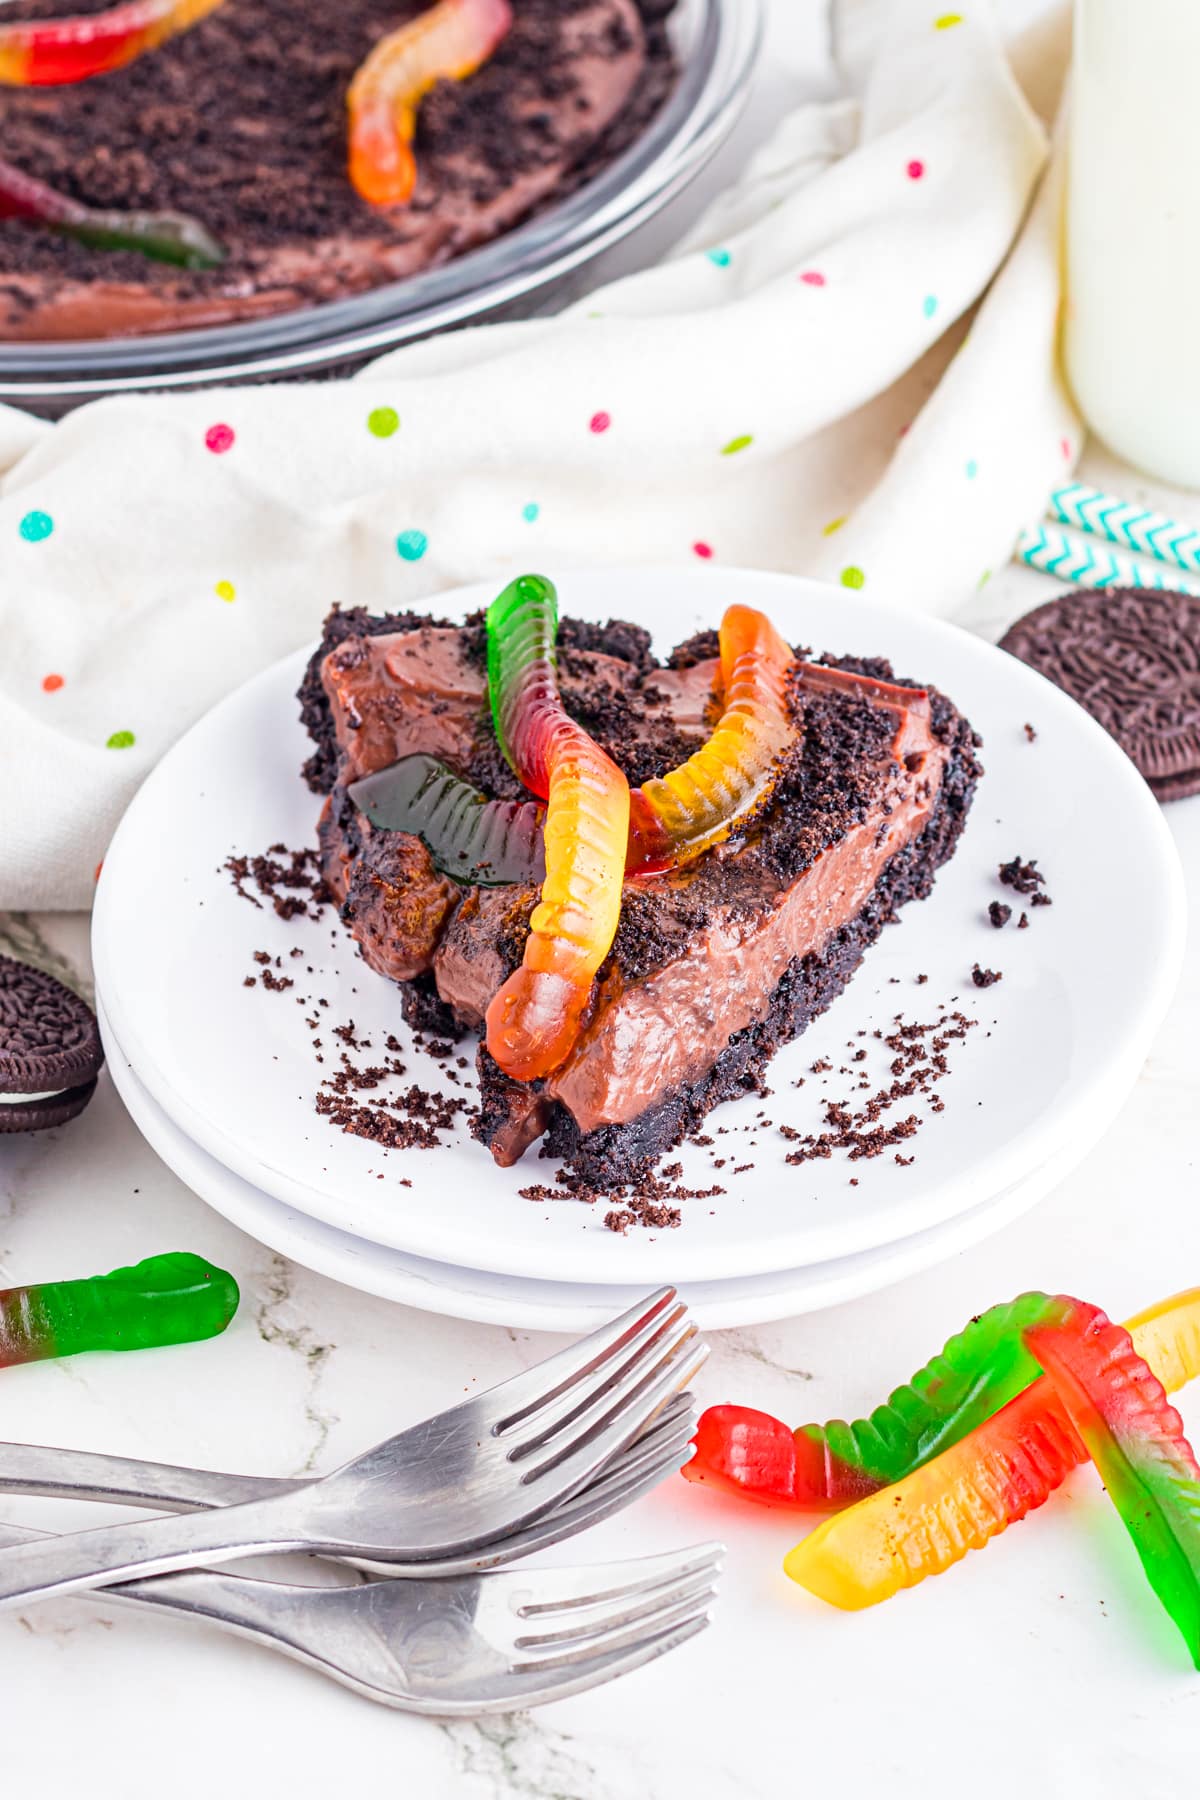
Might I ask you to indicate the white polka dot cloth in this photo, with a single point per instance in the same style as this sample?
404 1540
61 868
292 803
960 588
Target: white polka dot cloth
794 390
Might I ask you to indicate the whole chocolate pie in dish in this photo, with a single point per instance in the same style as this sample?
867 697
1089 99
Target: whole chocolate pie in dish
171 164
634 879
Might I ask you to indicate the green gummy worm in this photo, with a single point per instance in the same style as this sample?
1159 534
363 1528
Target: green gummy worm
174 1299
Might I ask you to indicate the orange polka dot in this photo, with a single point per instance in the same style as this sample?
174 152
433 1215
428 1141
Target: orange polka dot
51 683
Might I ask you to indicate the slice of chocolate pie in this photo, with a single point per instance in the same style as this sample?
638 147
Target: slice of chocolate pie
718 959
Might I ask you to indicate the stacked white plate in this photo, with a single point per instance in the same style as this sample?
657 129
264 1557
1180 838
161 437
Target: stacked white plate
222 1077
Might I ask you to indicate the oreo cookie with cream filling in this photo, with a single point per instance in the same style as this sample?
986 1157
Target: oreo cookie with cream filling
50 1050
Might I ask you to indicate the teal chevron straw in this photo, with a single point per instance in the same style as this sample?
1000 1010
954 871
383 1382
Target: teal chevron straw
1085 562
1127 525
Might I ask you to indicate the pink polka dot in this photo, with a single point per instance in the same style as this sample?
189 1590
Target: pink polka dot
1065 446
600 421
51 683
219 438
916 169
702 550
812 277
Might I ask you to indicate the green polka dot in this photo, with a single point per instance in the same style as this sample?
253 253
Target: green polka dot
412 545
121 740
853 577
35 527
985 578
929 305
834 525
736 444
383 421
530 512
225 590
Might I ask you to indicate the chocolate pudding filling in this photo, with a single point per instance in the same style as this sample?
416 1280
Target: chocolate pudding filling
240 122
714 965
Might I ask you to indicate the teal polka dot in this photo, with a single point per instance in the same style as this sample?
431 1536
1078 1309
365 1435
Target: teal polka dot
929 305
722 258
412 545
35 527
972 469
530 512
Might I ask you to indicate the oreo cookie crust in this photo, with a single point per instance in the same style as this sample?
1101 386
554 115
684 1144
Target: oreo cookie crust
50 1051
1131 658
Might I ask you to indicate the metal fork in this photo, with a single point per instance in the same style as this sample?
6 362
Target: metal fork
468 1477
469 1645
82 1475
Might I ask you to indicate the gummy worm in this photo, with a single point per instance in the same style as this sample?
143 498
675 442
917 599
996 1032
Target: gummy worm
469 837
674 817
165 237
1003 1470
447 43
534 1020
53 52
173 1299
826 1466
1136 1440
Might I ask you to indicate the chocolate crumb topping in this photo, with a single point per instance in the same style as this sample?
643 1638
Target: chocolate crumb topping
1024 877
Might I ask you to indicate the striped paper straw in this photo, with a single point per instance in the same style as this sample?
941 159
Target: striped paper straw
1083 561
1127 525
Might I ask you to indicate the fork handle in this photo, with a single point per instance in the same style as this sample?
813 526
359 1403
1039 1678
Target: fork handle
82 1475
98 1558
267 1611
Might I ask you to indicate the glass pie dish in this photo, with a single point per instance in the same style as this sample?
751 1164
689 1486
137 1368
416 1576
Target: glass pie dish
716 44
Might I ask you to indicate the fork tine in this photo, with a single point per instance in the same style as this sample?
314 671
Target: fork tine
532 1687
537 1423
675 1425
618 1417
594 1504
580 1625
601 1500
565 1656
546 1380
567 1416
558 1590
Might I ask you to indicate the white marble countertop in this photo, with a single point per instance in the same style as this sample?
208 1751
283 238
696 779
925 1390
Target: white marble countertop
1045 1661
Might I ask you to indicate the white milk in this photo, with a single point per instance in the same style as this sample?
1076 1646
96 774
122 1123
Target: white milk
1132 328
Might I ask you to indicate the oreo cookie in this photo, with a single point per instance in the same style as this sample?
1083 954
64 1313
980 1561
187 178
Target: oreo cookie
50 1051
1131 657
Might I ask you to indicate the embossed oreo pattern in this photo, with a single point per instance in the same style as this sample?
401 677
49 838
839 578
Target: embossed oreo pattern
49 1045
1131 657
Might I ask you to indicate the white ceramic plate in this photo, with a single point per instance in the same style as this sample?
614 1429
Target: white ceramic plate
1082 993
549 1305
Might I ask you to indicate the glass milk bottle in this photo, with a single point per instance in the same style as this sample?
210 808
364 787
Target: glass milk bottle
1132 323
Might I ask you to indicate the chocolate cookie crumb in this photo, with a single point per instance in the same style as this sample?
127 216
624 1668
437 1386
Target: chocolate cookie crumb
999 914
985 978
1024 877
